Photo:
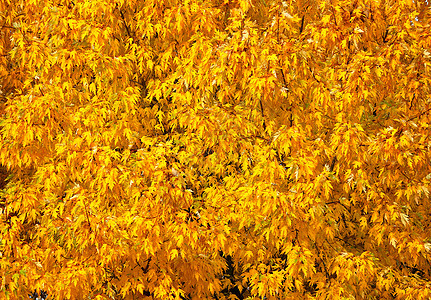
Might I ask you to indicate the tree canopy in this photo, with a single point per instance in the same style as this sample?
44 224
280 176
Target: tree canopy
217 149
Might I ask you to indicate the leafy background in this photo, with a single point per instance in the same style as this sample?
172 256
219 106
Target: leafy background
215 149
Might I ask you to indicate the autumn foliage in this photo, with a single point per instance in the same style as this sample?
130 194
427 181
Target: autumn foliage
236 149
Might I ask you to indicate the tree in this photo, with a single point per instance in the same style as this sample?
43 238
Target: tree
215 149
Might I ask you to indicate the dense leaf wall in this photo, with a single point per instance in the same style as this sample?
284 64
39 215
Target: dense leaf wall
216 149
